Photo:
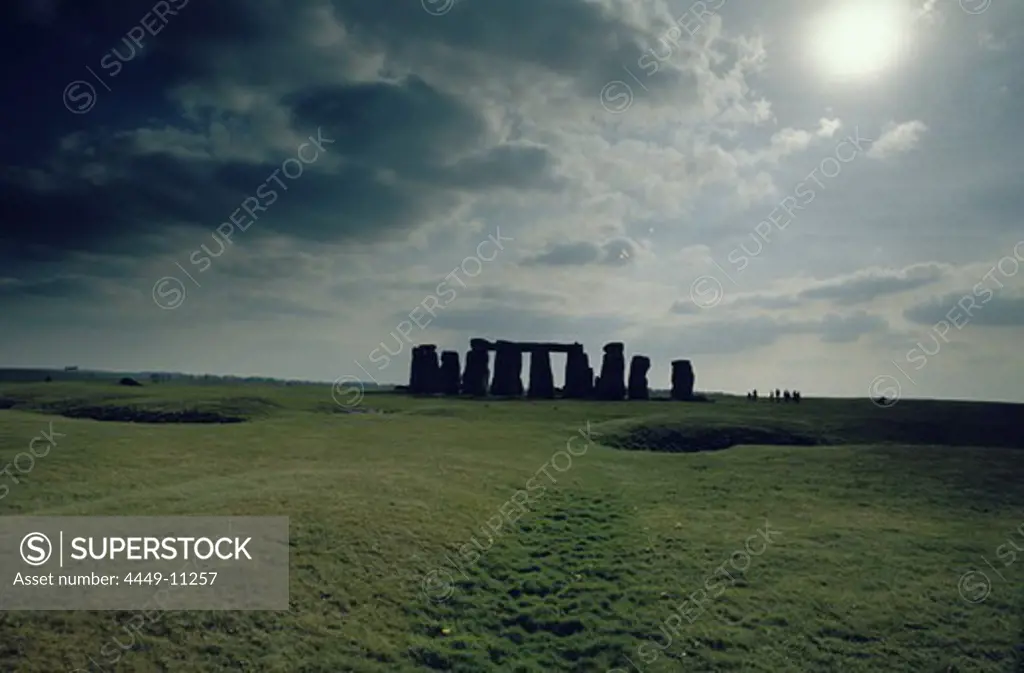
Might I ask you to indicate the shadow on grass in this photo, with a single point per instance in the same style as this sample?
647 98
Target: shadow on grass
691 440
136 415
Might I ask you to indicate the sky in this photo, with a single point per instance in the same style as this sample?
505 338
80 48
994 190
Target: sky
793 194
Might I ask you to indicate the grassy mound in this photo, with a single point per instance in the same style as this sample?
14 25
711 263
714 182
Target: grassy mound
163 404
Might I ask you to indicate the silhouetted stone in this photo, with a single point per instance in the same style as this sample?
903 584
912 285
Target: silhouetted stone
508 369
449 374
638 368
424 378
579 377
415 369
542 380
613 372
682 380
477 373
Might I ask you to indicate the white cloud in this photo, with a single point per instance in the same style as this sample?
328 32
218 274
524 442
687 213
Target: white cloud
897 139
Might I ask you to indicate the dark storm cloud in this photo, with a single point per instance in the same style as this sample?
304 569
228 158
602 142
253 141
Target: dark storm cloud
405 151
420 133
408 125
160 191
329 202
580 39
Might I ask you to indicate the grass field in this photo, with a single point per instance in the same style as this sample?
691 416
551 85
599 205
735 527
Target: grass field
405 557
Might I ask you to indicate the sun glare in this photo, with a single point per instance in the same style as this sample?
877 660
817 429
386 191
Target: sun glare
860 38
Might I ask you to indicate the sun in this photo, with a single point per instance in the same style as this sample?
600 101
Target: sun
859 38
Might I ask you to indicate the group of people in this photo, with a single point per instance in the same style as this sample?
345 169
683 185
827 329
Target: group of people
776 396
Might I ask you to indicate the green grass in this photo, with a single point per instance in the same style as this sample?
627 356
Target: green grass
880 514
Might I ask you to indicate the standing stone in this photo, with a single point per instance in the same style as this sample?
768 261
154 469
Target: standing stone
542 380
477 373
613 372
449 373
579 377
638 368
424 378
432 367
414 370
508 370
682 380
